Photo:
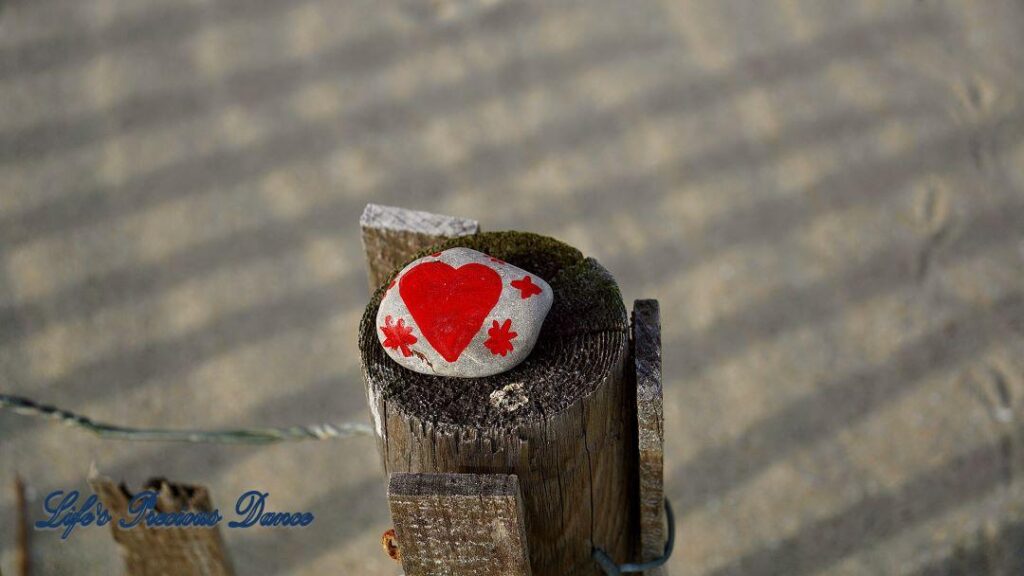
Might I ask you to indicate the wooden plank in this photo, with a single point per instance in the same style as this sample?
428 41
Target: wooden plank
650 429
391 236
459 524
148 551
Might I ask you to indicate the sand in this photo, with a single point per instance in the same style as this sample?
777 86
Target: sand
826 197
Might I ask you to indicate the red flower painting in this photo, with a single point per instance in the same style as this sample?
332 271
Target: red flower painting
398 335
526 287
500 341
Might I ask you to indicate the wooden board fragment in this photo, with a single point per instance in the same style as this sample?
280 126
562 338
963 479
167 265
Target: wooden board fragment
392 235
650 428
23 552
459 524
148 551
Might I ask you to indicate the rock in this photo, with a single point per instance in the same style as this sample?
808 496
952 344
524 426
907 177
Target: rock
462 313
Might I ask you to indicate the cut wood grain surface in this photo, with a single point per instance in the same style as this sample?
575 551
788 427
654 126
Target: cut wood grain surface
459 524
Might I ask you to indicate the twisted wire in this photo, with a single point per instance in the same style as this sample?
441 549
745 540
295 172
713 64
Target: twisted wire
327 431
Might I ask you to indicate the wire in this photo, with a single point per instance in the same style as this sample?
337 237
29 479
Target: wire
29 407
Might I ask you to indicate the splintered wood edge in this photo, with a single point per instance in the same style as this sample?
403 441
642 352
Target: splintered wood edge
156 551
171 496
416 221
459 524
391 235
650 426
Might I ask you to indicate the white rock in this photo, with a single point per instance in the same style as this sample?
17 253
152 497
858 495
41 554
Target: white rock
462 313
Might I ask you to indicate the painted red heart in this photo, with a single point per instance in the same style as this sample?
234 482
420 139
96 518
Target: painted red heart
450 304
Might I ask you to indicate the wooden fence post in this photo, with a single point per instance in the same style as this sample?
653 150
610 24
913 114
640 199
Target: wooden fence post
563 422
161 551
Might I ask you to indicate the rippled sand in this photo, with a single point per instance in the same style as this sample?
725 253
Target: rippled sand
827 198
